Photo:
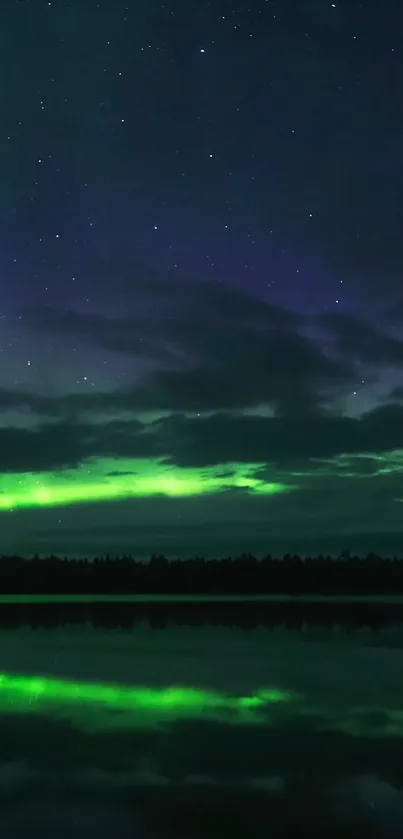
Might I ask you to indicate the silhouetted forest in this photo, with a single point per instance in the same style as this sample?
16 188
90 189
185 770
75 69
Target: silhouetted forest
241 575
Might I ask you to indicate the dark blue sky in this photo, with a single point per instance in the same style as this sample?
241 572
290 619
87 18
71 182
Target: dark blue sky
201 333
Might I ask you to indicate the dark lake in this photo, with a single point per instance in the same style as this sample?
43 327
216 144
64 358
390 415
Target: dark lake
201 719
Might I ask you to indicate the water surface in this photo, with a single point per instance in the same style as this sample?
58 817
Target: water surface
201 732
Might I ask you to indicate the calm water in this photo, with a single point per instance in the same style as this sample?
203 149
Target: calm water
201 732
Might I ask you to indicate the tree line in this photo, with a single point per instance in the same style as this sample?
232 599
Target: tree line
241 575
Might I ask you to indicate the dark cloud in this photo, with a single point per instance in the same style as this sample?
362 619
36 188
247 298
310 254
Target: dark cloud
63 445
134 336
117 473
396 394
278 368
363 341
25 400
217 352
67 406
221 350
223 438
163 304
203 441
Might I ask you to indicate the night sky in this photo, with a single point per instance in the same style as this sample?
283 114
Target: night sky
201 251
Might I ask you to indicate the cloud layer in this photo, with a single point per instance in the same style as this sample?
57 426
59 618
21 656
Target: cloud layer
216 379
219 353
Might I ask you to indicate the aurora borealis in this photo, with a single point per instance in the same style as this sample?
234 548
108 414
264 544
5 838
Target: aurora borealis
99 484
201 311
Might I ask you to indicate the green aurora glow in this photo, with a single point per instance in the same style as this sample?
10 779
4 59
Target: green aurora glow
112 479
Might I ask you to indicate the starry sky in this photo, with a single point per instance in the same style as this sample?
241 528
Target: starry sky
201 310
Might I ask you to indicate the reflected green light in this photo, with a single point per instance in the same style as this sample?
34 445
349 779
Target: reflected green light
118 696
35 694
99 707
112 479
